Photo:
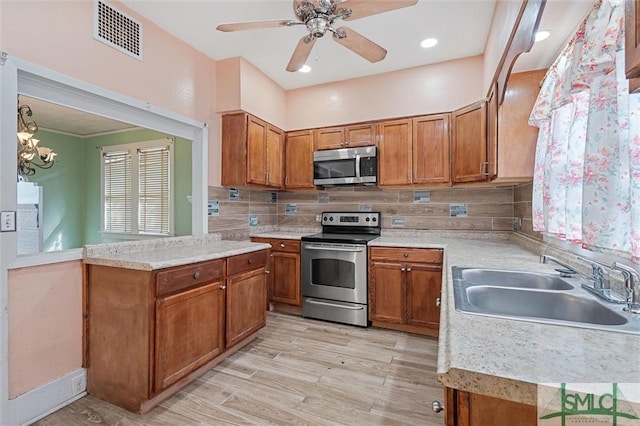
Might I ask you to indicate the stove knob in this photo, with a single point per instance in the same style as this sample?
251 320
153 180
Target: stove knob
324 218
331 219
375 219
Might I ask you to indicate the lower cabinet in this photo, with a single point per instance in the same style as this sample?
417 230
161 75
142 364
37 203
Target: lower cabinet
471 409
284 270
149 333
404 289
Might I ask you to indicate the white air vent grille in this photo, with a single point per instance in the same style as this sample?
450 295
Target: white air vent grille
116 29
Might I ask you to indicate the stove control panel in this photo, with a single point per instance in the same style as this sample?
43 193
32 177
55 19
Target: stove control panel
360 219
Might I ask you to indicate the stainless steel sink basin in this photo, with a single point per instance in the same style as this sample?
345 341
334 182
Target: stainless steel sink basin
536 297
519 279
538 304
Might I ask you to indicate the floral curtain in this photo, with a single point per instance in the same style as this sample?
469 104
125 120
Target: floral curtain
587 168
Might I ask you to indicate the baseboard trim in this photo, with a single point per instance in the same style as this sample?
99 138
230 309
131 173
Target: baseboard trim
44 400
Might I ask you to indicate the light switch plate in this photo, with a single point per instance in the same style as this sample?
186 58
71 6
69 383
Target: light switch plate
7 221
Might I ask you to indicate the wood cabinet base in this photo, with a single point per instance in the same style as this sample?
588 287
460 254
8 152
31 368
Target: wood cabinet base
144 406
433 332
471 409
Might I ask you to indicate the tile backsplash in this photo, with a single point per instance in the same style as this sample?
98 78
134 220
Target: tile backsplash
522 208
482 209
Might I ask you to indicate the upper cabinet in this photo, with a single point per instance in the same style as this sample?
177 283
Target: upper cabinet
395 152
431 140
469 144
299 160
345 136
516 139
632 44
252 152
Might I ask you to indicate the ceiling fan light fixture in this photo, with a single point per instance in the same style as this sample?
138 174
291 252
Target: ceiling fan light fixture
304 69
428 42
542 35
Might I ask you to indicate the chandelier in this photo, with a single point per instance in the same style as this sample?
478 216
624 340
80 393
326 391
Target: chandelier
29 153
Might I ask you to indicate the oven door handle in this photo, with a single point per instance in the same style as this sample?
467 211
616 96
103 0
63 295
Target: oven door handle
353 250
335 305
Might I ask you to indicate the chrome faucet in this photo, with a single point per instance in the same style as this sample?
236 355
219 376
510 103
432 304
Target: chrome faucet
631 285
598 282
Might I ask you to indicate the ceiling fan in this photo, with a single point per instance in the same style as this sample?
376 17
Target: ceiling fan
320 16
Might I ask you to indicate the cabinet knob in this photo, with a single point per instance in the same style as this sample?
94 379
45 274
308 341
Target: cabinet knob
403 269
250 261
438 302
405 255
223 287
408 269
282 245
196 275
266 271
437 406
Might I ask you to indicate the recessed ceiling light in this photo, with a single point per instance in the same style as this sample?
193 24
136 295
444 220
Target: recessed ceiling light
542 35
428 42
305 68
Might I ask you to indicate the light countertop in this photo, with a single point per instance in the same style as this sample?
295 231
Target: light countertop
149 255
508 358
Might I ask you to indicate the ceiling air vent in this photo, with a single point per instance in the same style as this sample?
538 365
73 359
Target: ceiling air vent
117 30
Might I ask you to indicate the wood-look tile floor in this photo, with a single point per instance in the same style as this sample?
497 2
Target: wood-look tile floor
299 372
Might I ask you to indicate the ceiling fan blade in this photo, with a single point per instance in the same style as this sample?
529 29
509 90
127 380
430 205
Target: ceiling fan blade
241 26
359 44
300 55
362 8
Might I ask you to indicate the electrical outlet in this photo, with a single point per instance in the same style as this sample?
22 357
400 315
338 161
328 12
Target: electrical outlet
7 221
78 385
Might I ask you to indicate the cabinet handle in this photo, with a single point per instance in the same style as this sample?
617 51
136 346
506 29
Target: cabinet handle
266 271
405 255
286 180
437 406
438 302
250 261
223 287
282 245
402 269
196 275
408 269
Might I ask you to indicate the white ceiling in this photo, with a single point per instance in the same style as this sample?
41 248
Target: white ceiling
461 26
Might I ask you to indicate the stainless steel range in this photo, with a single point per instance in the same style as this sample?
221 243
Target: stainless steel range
334 267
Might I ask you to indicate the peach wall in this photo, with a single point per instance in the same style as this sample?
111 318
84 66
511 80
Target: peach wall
172 75
228 93
262 96
45 324
422 90
504 18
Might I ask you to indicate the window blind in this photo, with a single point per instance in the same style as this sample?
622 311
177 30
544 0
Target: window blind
153 193
118 201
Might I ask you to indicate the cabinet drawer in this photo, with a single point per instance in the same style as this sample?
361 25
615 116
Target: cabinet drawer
246 262
175 279
403 254
289 246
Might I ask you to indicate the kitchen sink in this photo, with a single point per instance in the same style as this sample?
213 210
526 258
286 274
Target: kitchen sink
519 279
536 297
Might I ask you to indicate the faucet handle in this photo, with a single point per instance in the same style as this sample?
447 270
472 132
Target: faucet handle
600 273
631 284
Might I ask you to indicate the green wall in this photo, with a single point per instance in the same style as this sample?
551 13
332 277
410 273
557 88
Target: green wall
182 179
63 192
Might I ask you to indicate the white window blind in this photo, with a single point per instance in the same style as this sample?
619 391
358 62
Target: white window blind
137 188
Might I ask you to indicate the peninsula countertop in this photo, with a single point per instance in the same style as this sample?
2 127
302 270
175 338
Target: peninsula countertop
150 255
508 358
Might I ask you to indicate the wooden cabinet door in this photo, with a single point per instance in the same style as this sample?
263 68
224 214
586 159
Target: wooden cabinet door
329 138
285 271
387 292
492 132
423 289
360 135
299 160
632 44
431 149
275 157
256 151
470 409
189 332
469 144
394 152
516 139
246 301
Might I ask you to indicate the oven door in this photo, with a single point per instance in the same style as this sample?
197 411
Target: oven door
335 271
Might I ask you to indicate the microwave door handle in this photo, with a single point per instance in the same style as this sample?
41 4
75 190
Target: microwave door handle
357 166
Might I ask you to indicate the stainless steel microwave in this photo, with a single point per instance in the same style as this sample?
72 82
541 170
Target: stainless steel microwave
346 166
